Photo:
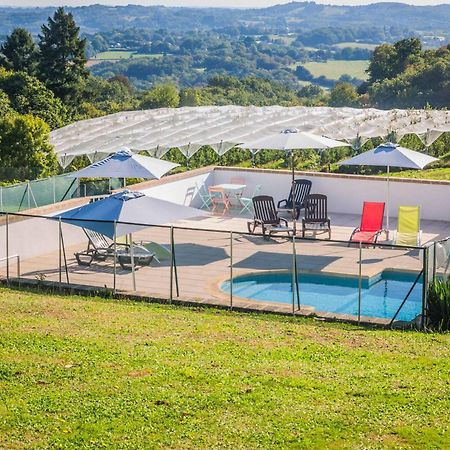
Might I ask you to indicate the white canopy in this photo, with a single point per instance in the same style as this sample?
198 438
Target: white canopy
223 127
292 139
125 164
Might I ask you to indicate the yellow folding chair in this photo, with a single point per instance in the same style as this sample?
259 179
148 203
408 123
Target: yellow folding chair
408 227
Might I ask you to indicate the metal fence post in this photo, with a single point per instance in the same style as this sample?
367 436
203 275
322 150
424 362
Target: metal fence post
60 250
294 274
7 248
424 288
172 245
434 260
115 257
231 270
54 189
359 282
28 195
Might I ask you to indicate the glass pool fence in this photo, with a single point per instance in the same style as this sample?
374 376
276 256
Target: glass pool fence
380 283
46 191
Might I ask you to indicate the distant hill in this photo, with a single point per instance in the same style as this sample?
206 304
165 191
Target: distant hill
293 16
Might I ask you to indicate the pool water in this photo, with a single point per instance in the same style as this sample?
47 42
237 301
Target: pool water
381 295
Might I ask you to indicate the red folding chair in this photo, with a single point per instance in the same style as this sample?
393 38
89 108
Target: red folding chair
371 223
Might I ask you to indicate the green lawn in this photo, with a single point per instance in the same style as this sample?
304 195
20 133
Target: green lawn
356 45
334 69
89 373
441 173
119 54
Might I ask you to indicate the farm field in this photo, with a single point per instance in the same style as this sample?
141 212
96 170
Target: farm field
334 69
356 45
91 373
117 55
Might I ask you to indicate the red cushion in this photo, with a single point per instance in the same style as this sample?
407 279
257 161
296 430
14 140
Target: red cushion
367 237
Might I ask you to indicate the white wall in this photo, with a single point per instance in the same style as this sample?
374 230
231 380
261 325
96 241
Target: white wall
347 194
183 191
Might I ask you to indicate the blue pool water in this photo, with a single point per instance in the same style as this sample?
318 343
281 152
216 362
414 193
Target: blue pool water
381 296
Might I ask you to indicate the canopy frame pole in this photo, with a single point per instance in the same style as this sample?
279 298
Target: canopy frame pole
115 257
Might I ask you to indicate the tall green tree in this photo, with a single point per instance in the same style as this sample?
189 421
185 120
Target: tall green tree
343 94
28 95
25 151
62 57
19 52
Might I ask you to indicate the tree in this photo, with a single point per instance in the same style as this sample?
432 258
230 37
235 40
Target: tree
62 56
25 151
190 97
343 94
5 104
161 96
19 52
381 64
28 95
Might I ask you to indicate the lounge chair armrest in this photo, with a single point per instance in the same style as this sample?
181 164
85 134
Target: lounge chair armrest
281 202
282 219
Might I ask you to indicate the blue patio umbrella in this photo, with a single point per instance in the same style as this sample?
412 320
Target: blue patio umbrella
128 212
125 213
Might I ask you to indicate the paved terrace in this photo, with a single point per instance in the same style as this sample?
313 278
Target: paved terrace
203 257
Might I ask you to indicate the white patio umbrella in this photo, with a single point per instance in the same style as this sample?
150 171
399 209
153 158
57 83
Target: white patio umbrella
125 213
126 164
390 155
292 139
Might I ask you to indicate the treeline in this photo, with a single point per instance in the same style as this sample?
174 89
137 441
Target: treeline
45 86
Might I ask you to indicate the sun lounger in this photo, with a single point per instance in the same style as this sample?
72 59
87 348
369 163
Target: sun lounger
99 249
408 227
299 191
266 217
371 223
316 215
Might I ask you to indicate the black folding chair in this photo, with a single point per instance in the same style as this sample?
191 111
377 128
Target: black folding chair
299 191
316 215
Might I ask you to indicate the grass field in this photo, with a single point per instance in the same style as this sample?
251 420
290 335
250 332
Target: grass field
356 45
119 54
334 69
441 173
90 373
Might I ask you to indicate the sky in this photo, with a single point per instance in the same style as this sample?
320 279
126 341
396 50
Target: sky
217 3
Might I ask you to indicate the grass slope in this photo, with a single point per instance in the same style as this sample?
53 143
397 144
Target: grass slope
441 173
334 69
91 373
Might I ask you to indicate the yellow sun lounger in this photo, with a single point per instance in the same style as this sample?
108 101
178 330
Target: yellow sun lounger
408 226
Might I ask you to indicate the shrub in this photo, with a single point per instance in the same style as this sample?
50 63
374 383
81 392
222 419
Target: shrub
439 305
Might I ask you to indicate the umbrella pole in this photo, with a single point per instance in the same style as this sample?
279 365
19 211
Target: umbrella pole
294 220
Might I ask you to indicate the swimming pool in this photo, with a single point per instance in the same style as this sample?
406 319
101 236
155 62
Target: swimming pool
381 295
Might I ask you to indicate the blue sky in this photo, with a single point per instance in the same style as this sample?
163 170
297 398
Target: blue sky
229 3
